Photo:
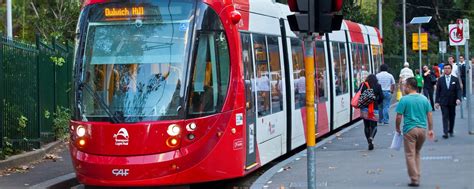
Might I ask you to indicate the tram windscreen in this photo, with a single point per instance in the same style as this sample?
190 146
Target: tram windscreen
135 61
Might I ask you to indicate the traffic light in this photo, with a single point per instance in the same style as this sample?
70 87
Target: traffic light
326 18
315 16
303 19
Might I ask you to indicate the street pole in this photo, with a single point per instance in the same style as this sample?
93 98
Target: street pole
9 20
404 32
310 127
419 47
457 63
467 86
379 7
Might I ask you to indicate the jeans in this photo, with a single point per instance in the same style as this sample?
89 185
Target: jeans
387 96
429 94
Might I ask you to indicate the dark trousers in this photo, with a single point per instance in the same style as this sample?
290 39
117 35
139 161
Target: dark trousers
464 88
429 94
370 129
449 113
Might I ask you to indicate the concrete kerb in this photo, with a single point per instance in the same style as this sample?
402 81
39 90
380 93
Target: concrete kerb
25 158
58 182
265 177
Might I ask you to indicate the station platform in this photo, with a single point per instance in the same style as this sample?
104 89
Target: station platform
344 161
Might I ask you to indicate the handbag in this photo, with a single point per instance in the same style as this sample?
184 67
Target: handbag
396 141
355 99
367 97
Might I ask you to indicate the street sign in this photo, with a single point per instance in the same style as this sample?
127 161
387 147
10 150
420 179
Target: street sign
459 27
424 41
466 28
442 47
454 40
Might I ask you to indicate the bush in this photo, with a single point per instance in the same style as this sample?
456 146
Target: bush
62 116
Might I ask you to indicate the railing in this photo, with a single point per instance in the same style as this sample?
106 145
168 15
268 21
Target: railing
34 80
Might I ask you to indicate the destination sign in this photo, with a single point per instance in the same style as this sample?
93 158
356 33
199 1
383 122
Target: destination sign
120 12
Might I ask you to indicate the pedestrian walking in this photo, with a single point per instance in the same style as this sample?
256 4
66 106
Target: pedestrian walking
370 111
419 80
416 112
429 82
405 73
454 70
448 95
387 82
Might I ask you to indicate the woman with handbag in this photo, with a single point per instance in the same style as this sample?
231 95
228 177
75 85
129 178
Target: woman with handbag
369 100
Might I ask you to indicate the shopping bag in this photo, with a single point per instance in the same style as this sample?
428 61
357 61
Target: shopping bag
399 94
396 141
355 100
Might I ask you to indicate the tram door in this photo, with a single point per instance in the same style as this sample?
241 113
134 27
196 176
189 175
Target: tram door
249 79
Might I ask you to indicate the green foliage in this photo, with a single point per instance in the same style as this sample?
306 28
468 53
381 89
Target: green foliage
58 61
22 123
62 116
351 11
7 149
47 114
56 18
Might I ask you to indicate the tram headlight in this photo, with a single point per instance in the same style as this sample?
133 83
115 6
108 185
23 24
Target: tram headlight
173 130
80 131
191 127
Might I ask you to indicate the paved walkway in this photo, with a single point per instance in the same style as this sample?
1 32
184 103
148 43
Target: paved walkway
40 172
344 161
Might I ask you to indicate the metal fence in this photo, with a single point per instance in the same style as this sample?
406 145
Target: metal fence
34 80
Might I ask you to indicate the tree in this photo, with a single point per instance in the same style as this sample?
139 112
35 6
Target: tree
49 18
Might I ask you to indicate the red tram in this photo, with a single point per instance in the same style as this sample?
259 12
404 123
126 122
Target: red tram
182 91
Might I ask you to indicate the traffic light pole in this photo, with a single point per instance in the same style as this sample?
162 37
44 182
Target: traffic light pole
310 114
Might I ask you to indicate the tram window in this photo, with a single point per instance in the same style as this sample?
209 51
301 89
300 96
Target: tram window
210 80
365 62
321 72
355 65
340 68
263 75
361 65
377 57
298 72
275 74
249 75
210 77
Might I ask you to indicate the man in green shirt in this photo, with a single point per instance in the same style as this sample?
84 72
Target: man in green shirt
419 80
415 109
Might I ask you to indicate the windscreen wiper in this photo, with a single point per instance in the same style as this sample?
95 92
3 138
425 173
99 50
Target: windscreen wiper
102 103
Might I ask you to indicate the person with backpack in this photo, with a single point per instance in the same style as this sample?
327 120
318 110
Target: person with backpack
369 100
